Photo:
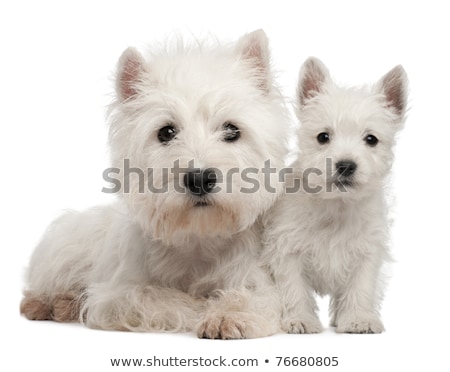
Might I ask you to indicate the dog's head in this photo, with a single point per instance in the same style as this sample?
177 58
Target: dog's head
347 135
197 124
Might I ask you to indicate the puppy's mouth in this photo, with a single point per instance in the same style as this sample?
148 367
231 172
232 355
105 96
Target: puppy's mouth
344 183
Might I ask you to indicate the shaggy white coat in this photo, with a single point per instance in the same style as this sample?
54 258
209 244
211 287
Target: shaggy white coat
157 261
331 238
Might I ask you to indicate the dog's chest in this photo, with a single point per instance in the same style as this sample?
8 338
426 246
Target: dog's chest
178 271
196 270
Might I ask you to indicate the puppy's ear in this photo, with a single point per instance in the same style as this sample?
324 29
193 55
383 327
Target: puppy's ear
313 75
254 48
394 86
130 69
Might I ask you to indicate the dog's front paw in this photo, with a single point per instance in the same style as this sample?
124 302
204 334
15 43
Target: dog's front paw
359 324
223 327
302 325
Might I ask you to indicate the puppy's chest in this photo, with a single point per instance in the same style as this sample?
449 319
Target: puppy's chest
331 250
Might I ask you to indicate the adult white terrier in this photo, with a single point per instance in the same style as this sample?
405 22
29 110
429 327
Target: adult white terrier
331 235
178 252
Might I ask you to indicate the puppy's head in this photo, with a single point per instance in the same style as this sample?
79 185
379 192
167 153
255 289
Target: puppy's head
347 135
200 122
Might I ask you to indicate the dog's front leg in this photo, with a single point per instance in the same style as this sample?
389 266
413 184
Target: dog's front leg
237 314
243 301
141 308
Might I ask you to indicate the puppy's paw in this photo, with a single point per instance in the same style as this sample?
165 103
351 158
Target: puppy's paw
307 324
223 327
360 324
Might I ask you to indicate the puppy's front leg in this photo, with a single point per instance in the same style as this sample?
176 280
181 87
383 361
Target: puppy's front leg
355 308
299 309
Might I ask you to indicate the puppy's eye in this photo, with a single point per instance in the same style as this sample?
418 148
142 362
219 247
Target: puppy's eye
167 133
371 140
323 137
231 132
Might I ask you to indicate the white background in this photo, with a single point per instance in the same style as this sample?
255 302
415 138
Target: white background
55 67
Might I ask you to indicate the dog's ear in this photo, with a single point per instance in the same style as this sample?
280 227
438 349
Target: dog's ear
254 47
394 87
313 75
131 67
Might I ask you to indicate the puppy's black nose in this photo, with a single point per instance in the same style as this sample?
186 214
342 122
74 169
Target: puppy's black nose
200 182
346 167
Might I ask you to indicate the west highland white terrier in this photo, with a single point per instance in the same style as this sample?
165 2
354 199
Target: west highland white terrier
331 235
178 252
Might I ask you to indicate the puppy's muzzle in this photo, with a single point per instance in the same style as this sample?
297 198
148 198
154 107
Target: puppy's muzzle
346 168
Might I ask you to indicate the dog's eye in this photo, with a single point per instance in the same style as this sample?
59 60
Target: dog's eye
167 134
371 140
231 132
323 137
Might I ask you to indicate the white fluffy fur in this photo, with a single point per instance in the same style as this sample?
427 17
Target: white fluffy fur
335 242
155 261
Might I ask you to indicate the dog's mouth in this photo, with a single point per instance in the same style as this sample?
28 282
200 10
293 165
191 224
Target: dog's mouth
201 203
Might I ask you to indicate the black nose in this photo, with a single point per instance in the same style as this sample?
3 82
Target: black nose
346 167
200 182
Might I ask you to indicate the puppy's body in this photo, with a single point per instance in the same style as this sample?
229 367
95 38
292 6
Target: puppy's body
330 237
330 247
180 255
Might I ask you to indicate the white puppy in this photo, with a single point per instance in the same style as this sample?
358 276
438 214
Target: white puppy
329 232
178 250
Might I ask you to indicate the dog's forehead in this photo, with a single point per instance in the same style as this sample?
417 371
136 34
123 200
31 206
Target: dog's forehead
204 85
200 97
196 72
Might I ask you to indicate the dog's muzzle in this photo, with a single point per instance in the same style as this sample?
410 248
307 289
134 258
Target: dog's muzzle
200 182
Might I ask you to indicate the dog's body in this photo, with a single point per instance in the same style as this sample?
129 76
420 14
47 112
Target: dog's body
331 236
175 261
